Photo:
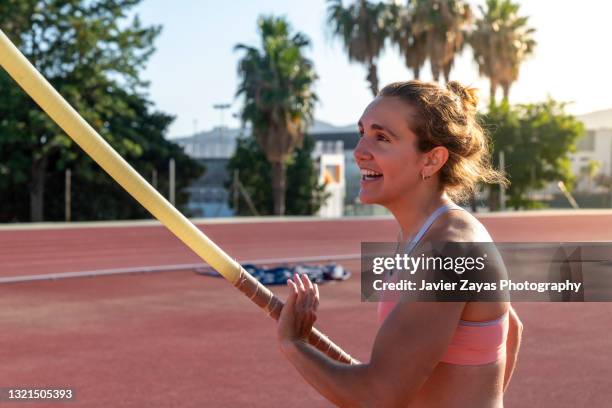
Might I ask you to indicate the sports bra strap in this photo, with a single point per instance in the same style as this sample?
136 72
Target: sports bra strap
430 220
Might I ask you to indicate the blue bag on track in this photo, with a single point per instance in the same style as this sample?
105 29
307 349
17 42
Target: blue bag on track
278 275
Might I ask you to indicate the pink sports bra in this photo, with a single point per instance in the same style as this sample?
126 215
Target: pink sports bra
474 343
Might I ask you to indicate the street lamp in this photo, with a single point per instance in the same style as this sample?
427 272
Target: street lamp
221 107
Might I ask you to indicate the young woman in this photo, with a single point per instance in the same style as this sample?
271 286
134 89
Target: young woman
420 148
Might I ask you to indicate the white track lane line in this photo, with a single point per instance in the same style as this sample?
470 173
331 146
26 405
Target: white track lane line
166 268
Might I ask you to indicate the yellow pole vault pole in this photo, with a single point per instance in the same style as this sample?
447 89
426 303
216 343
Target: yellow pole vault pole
39 89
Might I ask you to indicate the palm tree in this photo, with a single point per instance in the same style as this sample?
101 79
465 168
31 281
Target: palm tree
439 26
361 27
501 41
276 83
412 46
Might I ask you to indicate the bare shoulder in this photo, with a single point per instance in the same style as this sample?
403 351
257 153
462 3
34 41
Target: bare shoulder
459 226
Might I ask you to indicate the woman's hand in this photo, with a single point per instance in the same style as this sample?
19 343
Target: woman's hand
299 313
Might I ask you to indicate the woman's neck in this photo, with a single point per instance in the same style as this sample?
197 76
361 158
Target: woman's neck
412 211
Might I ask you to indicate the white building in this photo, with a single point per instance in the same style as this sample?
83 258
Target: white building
218 143
595 145
209 196
329 156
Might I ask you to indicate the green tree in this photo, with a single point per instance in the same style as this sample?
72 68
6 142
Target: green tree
363 31
304 195
93 57
536 140
255 174
501 41
441 25
411 45
276 83
144 130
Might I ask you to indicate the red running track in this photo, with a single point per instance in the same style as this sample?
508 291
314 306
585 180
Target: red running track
181 339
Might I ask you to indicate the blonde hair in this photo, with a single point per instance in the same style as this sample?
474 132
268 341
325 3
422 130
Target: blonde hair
447 117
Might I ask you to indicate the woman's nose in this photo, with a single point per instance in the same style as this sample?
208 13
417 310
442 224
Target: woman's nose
361 151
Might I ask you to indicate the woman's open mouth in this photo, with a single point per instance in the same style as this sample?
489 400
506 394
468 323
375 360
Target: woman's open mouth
370 175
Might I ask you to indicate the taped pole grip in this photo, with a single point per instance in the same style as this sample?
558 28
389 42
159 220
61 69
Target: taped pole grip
272 305
67 118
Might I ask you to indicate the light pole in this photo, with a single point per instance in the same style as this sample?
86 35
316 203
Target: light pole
221 107
172 182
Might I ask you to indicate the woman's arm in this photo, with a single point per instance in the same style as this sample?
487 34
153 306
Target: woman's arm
407 348
513 344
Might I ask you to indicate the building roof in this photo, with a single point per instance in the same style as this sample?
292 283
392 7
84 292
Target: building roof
320 126
221 142
597 120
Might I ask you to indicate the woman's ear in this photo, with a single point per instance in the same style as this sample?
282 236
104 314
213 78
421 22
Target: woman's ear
434 160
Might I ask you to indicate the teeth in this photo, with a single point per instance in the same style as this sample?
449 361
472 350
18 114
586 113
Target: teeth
368 172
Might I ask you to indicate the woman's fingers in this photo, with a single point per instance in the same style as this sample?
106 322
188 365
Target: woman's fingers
314 295
298 281
293 288
300 292
302 301
309 291
307 282
293 293
299 313
287 327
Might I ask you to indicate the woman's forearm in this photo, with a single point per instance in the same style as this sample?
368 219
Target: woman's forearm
343 384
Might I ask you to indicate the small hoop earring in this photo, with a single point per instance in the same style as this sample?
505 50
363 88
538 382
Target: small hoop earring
424 177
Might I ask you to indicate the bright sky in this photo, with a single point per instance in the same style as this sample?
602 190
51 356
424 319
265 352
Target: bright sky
194 66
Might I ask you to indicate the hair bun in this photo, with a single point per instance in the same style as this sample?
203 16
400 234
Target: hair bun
468 95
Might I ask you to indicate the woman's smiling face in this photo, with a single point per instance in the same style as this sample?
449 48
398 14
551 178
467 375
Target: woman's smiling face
387 152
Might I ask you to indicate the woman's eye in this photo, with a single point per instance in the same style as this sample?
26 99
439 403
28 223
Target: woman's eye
382 137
